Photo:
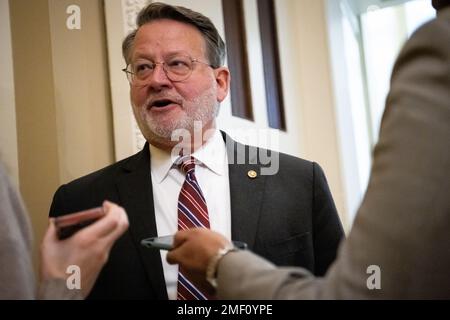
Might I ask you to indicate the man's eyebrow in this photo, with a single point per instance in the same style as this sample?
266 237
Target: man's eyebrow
141 55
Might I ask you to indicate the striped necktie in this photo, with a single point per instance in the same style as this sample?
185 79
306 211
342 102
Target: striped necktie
192 213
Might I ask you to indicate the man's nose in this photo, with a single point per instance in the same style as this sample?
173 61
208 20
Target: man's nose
158 79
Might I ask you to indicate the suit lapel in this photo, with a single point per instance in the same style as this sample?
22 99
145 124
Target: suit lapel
246 193
135 192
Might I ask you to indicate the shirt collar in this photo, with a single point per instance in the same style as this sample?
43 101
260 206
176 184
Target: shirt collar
211 155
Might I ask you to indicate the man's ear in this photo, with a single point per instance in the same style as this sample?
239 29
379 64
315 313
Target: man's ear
223 82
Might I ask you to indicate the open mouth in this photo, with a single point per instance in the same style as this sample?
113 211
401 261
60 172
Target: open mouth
162 103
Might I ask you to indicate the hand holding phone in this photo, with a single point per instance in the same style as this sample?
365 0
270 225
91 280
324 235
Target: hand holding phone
68 224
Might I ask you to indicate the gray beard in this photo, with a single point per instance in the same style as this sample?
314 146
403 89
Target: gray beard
152 130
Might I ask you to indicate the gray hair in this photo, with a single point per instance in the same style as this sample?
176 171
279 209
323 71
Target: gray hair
215 46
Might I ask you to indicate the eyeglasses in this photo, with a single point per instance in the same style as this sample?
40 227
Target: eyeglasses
177 68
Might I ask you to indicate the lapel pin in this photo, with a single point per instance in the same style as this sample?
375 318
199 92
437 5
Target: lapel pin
252 174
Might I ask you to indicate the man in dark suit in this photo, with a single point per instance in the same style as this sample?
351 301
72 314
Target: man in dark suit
177 81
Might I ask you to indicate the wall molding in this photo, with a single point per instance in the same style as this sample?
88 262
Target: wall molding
120 16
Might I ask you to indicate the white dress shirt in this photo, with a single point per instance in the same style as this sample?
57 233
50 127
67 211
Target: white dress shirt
167 180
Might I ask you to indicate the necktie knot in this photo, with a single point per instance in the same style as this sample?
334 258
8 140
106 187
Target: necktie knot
187 165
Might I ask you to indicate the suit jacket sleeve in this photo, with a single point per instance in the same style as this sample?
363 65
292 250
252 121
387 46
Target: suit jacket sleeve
401 231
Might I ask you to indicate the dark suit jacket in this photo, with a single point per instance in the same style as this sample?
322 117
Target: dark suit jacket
288 218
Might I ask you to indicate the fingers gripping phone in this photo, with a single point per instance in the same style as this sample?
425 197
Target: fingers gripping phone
68 224
166 243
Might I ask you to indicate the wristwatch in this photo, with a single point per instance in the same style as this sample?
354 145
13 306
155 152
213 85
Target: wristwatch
211 269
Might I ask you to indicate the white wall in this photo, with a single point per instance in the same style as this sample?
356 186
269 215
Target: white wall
314 92
351 119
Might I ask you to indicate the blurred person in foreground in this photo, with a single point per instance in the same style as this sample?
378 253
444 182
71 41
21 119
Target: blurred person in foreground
401 231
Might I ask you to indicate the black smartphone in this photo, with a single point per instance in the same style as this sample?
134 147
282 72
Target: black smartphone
166 243
68 224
